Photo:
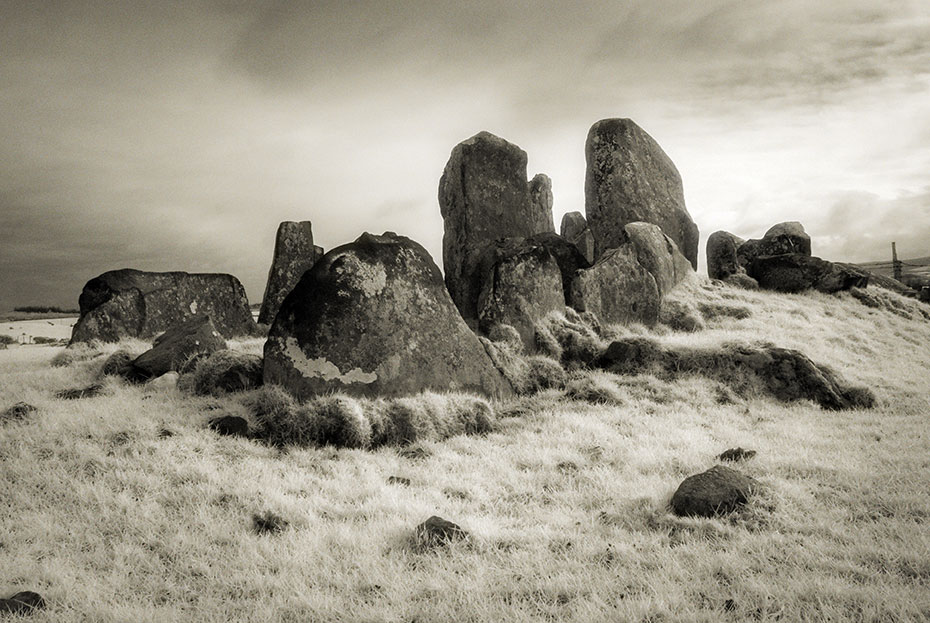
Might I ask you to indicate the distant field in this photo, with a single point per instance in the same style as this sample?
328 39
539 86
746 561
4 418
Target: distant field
918 268
125 507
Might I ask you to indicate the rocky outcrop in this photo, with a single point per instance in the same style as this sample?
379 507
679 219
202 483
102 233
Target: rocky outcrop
566 255
575 229
629 178
722 258
294 254
483 196
780 239
373 318
793 272
717 491
521 283
540 188
659 255
617 289
174 347
132 303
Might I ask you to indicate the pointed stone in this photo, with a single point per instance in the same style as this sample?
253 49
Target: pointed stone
294 254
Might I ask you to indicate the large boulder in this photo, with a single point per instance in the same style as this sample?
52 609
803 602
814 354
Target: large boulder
373 318
483 196
132 303
574 228
173 348
794 272
722 259
781 239
566 255
294 254
617 289
540 188
717 491
522 283
629 178
659 255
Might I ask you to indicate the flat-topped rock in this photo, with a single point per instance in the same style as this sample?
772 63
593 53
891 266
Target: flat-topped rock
794 272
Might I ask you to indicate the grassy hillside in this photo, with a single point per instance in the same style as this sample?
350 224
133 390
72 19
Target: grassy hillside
915 271
126 507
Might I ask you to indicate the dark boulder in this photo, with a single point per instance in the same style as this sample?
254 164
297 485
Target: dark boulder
438 531
373 318
483 196
794 272
629 178
174 347
22 603
575 229
133 303
659 255
736 454
230 425
781 239
881 281
617 289
540 189
722 259
717 491
294 254
567 256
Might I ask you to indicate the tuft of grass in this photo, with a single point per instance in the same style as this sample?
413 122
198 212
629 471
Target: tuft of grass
595 387
222 372
118 364
76 353
527 375
568 337
680 316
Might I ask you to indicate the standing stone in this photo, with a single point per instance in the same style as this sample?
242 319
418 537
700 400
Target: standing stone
373 318
541 199
780 239
617 289
575 229
722 259
629 178
794 272
659 255
483 196
294 254
132 303
522 283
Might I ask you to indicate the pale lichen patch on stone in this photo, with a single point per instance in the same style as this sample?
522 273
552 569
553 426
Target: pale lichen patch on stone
368 279
322 367
193 307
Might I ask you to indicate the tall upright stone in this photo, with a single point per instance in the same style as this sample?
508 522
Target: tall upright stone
574 228
630 178
540 188
483 196
294 254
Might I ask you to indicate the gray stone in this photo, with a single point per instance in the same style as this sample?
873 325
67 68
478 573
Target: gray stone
780 239
132 303
659 255
540 188
373 318
575 229
567 255
717 491
174 347
438 531
617 289
794 272
294 254
629 178
722 260
483 196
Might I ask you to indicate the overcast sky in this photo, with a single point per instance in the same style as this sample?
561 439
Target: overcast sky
177 135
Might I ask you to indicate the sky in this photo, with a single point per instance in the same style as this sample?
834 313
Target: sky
177 135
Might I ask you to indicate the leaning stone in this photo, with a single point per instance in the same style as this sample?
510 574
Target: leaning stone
717 491
659 255
19 411
294 254
575 229
629 178
373 318
22 603
617 289
438 531
174 347
796 272
540 188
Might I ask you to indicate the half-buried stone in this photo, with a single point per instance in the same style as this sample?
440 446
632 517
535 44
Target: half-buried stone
373 318
174 347
717 491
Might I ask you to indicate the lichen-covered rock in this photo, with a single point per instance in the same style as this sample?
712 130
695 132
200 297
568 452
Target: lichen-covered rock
521 284
373 318
717 491
175 346
566 255
132 303
659 255
540 188
294 254
780 239
617 289
794 272
575 229
483 196
630 178
722 260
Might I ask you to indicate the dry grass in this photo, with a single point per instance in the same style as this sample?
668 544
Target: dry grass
110 519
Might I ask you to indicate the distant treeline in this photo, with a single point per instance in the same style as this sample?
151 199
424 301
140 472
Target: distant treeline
42 309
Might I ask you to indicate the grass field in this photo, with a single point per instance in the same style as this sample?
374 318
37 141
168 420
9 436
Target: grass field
125 507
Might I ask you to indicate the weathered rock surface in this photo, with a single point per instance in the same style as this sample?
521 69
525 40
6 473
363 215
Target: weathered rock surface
717 491
294 254
438 531
373 318
22 603
132 303
575 229
521 283
630 178
659 255
780 239
617 289
174 347
566 255
483 196
881 281
722 260
794 272
540 188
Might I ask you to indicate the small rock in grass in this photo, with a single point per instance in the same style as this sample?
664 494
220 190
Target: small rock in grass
165 432
230 425
399 480
737 454
22 603
268 523
438 531
17 412
714 492
80 392
415 452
